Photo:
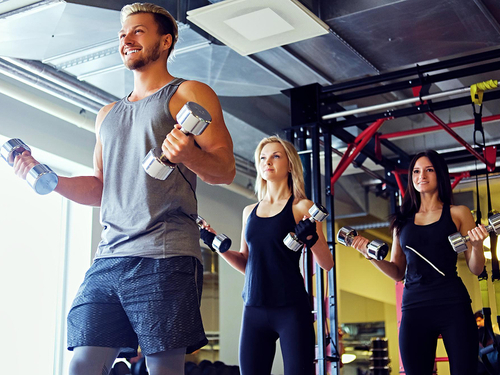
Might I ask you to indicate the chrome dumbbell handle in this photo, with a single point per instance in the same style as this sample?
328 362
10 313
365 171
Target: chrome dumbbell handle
317 213
459 242
193 119
219 242
41 178
376 249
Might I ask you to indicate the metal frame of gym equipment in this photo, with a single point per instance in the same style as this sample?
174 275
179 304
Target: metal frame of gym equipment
311 118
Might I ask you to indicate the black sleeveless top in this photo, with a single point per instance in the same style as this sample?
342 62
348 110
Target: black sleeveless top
424 285
272 273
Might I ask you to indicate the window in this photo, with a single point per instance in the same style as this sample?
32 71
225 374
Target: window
43 259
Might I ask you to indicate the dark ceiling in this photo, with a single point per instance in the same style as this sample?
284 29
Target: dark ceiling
376 51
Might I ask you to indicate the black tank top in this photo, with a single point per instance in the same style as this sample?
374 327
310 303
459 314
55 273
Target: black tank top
272 273
424 284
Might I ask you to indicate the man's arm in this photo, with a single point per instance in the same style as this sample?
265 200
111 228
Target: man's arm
85 190
214 161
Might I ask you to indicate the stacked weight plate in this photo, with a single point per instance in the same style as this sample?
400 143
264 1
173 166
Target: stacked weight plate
379 358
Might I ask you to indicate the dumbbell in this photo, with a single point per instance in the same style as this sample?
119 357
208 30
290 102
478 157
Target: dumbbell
220 242
318 213
458 242
41 178
194 119
376 249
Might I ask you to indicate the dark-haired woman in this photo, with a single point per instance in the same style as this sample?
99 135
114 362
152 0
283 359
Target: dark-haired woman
435 301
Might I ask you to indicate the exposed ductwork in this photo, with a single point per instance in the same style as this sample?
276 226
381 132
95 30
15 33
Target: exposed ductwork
89 98
56 83
79 119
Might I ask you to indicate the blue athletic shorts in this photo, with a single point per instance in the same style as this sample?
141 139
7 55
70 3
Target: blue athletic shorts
124 302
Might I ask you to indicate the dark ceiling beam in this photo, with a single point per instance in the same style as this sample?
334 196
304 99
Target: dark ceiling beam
320 74
418 81
413 72
403 156
418 76
269 69
355 51
414 110
491 19
304 108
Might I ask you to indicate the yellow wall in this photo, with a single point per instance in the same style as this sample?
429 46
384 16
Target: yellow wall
366 295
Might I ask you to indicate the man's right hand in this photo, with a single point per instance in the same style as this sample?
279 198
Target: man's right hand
23 164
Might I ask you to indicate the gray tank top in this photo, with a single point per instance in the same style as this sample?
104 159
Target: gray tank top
142 216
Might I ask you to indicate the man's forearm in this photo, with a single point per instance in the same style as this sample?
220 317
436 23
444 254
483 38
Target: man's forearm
86 190
215 167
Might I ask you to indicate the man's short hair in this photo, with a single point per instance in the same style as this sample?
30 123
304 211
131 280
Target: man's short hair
166 23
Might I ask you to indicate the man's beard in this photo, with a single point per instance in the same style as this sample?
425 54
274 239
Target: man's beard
146 59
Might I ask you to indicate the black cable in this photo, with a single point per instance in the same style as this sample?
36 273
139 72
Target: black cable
189 183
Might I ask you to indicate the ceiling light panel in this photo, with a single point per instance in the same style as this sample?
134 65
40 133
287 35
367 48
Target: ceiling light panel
27 31
251 26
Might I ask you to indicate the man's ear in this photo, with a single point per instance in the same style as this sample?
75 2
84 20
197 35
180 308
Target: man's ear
167 41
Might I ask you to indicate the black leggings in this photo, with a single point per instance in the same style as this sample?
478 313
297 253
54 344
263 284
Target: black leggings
418 335
262 326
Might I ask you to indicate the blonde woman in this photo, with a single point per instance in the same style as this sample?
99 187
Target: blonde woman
276 303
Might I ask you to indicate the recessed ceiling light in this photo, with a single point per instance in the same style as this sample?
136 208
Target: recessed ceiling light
250 26
260 24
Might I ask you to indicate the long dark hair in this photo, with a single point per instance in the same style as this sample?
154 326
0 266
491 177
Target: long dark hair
411 200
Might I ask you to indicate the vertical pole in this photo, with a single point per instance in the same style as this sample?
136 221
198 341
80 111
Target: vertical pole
330 238
300 145
320 288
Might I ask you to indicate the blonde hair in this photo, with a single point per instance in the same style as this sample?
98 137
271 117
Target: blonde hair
166 23
296 175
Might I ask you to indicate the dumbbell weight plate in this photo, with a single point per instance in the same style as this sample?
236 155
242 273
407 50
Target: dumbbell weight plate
42 179
193 118
292 242
318 212
221 243
495 223
11 149
458 242
156 165
345 235
377 249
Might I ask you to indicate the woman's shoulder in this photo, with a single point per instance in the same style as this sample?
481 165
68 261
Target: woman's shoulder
302 204
462 217
459 210
249 208
247 211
